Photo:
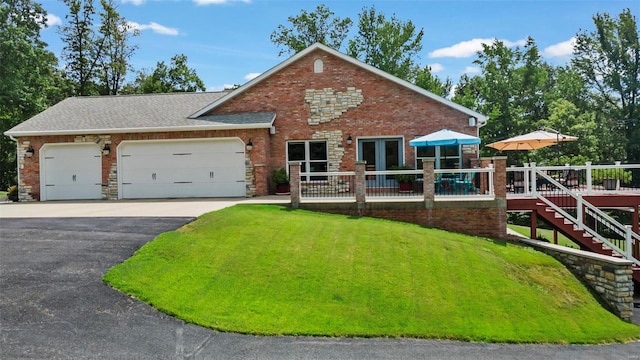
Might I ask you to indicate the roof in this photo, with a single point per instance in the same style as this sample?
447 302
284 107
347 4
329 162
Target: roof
175 111
136 113
318 46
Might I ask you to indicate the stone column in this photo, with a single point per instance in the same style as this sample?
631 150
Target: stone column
294 184
500 177
500 192
428 185
361 186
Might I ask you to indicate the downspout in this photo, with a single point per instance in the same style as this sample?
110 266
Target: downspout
17 166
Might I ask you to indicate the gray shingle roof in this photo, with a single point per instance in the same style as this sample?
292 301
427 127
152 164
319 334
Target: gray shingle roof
135 113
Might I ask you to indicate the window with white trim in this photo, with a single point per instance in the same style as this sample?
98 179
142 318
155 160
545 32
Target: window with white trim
445 157
312 155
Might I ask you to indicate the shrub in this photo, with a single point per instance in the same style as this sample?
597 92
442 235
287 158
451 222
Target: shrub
404 178
12 193
280 176
599 175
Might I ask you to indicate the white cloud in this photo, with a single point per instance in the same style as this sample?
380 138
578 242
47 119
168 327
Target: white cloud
155 27
436 68
134 2
471 70
53 20
561 49
469 48
218 2
251 76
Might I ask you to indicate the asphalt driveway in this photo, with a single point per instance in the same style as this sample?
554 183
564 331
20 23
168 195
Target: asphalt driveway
54 305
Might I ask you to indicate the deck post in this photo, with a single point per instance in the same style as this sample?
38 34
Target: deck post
532 182
500 177
533 234
360 186
428 182
294 182
588 175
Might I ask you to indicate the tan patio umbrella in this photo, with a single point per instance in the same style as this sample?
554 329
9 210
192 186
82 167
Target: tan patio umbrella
531 141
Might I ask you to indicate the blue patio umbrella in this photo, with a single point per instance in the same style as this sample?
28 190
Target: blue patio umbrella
445 137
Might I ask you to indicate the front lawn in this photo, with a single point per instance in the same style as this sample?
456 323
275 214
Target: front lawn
263 269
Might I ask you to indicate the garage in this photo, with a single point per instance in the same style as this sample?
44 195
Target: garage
181 168
71 171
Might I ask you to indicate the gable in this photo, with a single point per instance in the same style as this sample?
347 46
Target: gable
319 48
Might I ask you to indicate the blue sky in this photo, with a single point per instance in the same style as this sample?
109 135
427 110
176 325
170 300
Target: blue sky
227 41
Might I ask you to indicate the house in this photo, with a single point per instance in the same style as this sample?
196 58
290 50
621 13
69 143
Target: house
320 107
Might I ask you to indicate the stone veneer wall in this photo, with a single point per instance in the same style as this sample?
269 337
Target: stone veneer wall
110 192
611 278
328 104
24 189
249 177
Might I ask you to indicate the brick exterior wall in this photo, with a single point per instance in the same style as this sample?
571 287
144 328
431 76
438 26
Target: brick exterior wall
375 107
480 218
387 109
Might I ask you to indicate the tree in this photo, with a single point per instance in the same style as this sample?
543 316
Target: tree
96 60
389 45
426 80
83 47
177 77
114 62
307 29
609 61
29 80
510 90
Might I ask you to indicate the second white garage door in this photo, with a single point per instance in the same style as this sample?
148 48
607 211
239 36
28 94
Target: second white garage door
181 169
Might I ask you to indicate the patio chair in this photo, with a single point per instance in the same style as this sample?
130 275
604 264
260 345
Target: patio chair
465 183
570 179
518 181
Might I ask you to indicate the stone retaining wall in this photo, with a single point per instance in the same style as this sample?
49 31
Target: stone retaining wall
611 278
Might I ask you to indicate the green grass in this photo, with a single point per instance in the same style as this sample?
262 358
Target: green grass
545 233
263 269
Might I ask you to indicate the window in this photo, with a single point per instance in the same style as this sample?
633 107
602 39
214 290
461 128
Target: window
445 157
312 155
318 66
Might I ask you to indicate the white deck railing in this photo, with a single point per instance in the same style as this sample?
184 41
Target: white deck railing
586 179
451 184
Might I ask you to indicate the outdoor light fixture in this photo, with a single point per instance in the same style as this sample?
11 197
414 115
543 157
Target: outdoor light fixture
349 140
250 145
472 121
106 149
30 151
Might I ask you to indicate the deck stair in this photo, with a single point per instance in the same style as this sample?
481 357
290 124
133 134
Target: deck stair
581 237
566 212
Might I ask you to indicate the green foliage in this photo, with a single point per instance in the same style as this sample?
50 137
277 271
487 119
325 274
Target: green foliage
30 81
607 59
264 269
97 61
404 178
598 175
426 80
114 62
280 176
308 28
177 77
389 45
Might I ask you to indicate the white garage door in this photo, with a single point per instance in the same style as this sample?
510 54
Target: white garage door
181 169
71 172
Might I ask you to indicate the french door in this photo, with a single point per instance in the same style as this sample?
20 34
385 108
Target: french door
380 155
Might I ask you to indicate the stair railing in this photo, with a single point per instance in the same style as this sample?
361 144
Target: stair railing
631 239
